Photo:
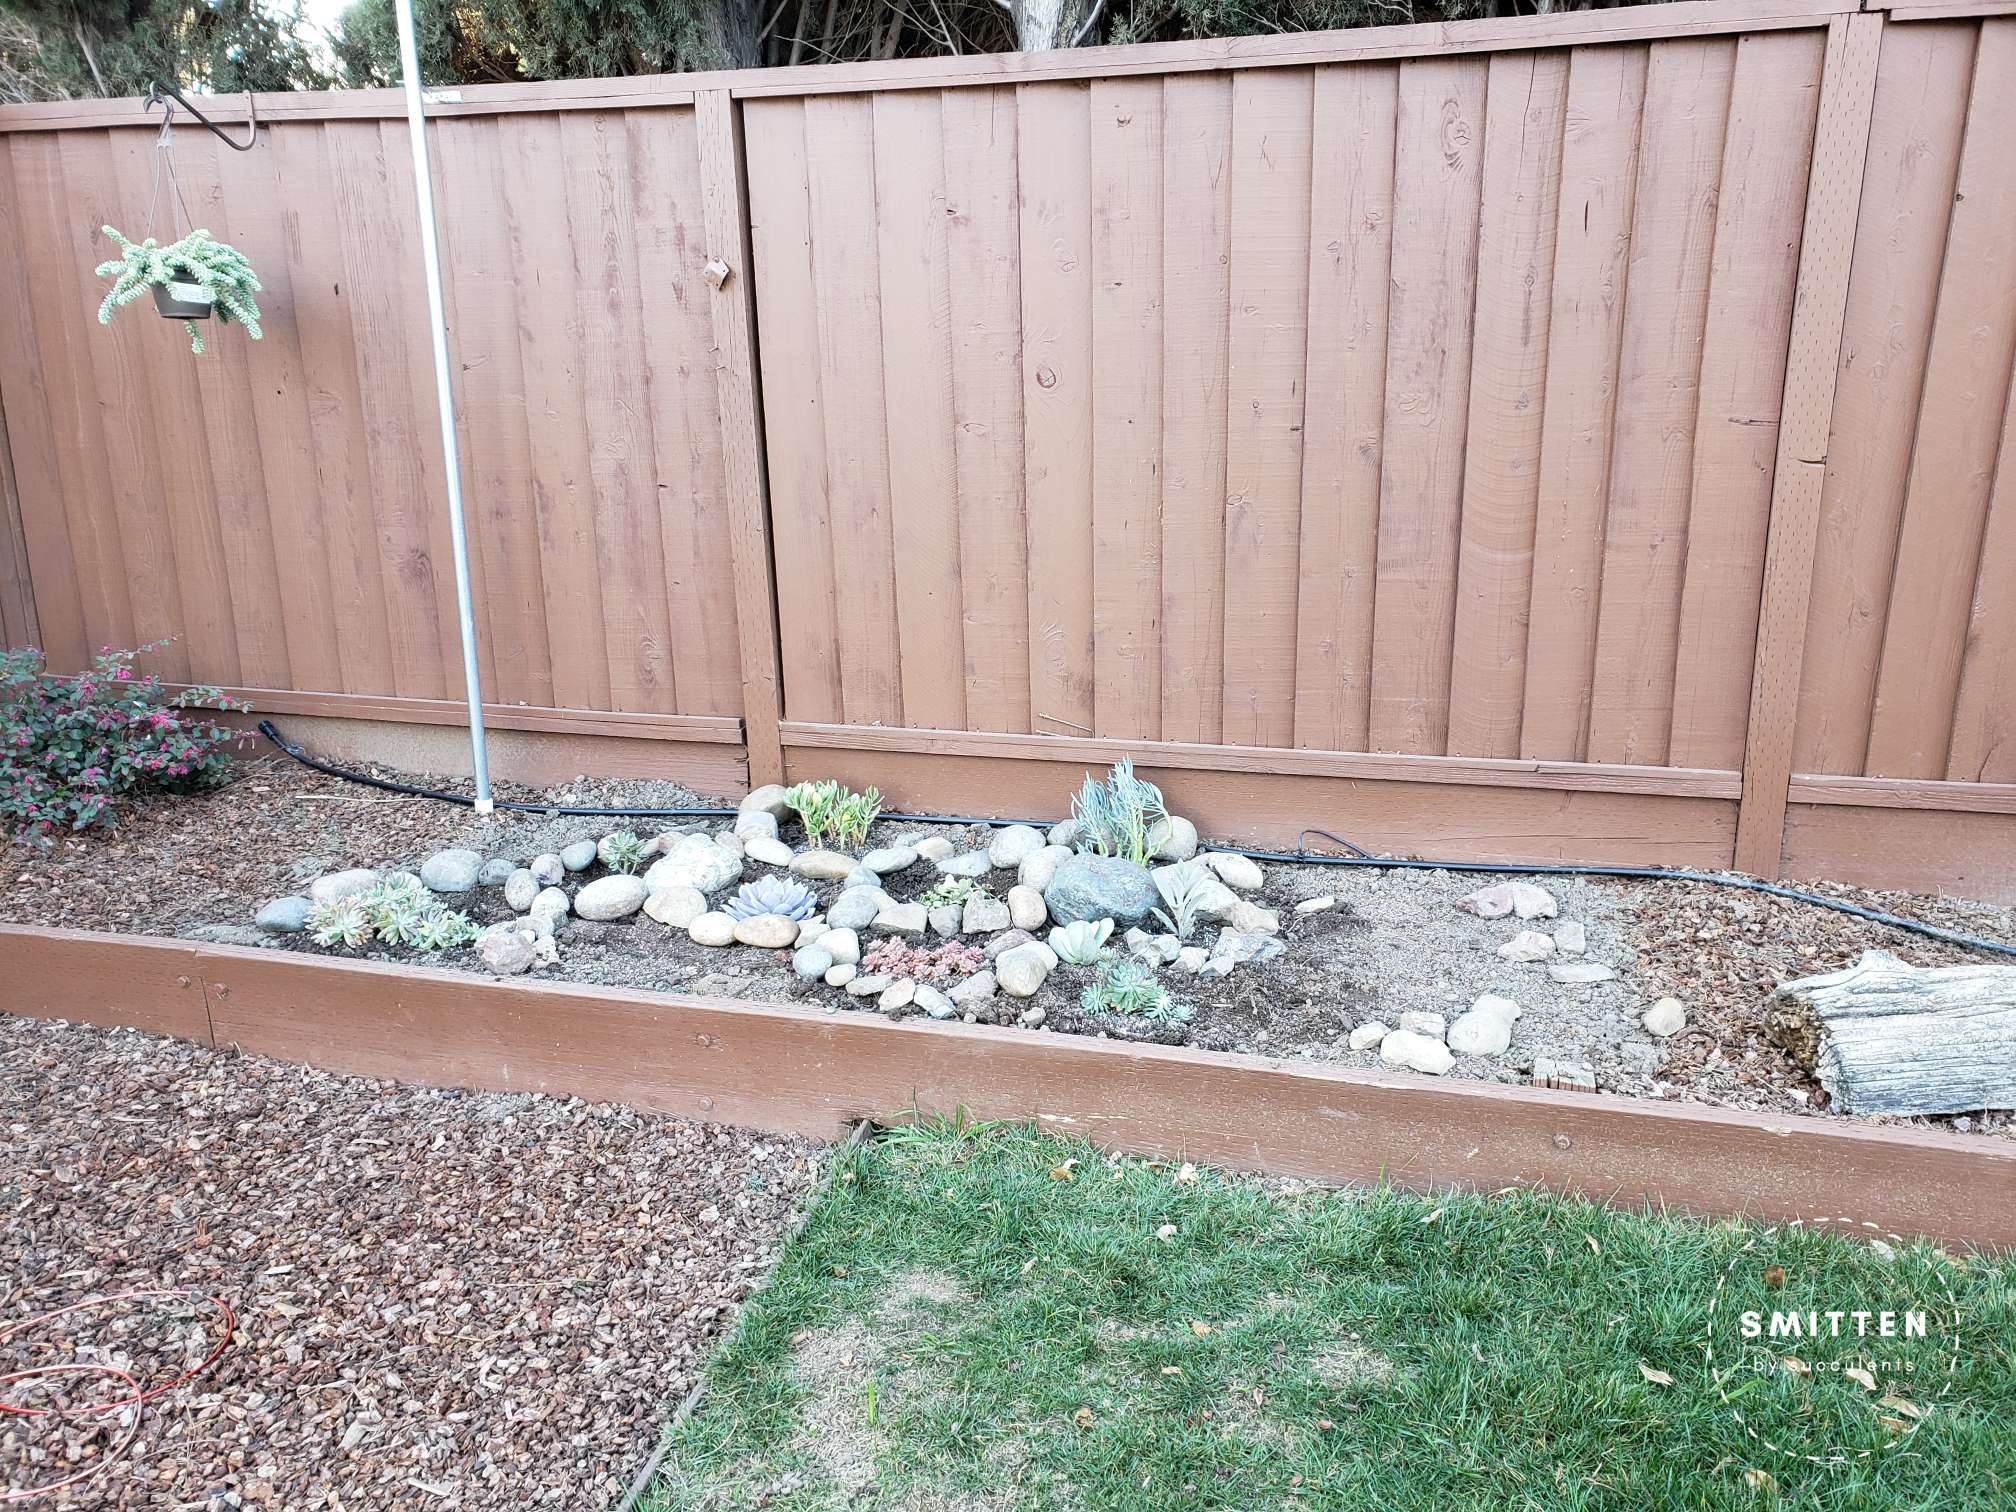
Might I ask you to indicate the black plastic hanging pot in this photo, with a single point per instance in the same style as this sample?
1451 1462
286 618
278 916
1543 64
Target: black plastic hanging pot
183 301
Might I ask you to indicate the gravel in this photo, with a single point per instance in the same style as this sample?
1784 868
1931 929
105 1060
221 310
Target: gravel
445 1300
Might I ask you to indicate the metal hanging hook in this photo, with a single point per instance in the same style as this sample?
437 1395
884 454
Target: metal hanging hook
167 97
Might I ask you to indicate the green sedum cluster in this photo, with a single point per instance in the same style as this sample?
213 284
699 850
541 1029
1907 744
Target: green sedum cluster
217 266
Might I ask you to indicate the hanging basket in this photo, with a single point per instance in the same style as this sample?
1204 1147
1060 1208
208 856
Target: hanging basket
183 301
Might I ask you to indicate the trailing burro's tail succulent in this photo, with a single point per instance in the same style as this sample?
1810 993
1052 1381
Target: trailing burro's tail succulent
773 895
210 268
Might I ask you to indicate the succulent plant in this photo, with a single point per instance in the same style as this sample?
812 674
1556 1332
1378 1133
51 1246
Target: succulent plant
440 930
773 895
828 808
952 892
395 903
1081 942
343 922
623 851
1186 888
1129 987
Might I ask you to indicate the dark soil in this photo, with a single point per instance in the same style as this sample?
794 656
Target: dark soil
1394 943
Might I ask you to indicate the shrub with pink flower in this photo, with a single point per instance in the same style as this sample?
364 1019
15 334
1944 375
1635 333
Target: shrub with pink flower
935 963
71 747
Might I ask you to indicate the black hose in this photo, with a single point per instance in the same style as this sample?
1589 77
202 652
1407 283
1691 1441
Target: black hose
1301 856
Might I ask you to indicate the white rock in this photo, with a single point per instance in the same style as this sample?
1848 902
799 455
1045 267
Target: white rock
1242 872
1521 898
944 920
812 961
520 888
694 861
1026 909
897 995
1191 958
1172 839
1527 945
1571 937
840 973
978 988
1580 973
712 929
1315 905
1021 971
868 986
1486 1029
756 824
548 909
343 884
767 852
890 858
676 907
1428 1025
811 929
972 864
823 865
984 915
1014 845
1417 1052
731 844
1251 918
766 931
452 871
581 854
1367 1035
908 919
1665 1018
857 906
933 847
547 869
508 949
768 799
611 898
934 1002
844 945
1038 869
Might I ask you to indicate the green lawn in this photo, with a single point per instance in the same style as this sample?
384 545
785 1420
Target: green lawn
985 1318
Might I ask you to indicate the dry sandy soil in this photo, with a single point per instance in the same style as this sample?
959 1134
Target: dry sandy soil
444 1300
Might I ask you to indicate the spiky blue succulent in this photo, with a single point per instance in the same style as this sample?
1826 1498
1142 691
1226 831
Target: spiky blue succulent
773 895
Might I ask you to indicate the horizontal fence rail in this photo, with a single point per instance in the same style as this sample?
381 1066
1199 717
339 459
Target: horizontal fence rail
1580 436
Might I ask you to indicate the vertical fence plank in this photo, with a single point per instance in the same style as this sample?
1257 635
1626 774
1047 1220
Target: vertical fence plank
1967 378
1770 146
1833 200
1196 294
1907 198
1271 175
1525 114
1127 306
916 336
985 290
1984 718
1659 370
699 517
622 465
18 624
840 160
1599 172
1053 128
1436 198
1350 265
726 212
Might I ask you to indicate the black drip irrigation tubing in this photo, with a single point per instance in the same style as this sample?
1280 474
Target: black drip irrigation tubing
1300 856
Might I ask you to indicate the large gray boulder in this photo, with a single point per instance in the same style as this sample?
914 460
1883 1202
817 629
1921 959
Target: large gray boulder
1101 887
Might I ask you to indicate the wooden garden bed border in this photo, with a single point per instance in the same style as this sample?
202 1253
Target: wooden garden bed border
797 1070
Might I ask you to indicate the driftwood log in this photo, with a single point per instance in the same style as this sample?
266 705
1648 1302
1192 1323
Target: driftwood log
1886 1037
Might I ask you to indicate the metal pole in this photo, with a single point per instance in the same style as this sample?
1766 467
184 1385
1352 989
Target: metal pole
430 254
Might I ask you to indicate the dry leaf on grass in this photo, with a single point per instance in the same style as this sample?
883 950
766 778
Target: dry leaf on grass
1202 1330
1656 1377
1860 1377
1066 1171
1902 1405
1795 1366
1594 1247
1760 1480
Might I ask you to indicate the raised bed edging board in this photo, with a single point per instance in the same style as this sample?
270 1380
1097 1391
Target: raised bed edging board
803 1071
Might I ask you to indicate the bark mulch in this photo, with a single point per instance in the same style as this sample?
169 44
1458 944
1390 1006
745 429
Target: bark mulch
444 1299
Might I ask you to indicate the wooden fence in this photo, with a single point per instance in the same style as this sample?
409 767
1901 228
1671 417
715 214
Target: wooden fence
1577 437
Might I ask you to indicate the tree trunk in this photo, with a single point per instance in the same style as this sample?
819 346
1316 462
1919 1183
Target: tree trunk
731 29
1884 1037
1037 23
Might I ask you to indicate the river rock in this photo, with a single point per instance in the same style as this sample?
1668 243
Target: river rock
1101 887
767 932
934 1002
1064 833
1431 1025
547 869
890 859
856 907
869 986
610 898
1172 839
898 994
944 920
283 916
840 973
520 888
1026 909
579 856
972 864
343 884
697 862
712 929
1014 845
1250 918
1367 1036
1242 872
1038 869
985 915
1190 960
755 824
844 945
767 799
548 909
931 847
822 865
1665 1018
812 929
508 949
731 844
1417 1052
1527 945
1021 971
1486 1029
812 961
1007 941
676 907
496 872
906 919
1316 905
976 989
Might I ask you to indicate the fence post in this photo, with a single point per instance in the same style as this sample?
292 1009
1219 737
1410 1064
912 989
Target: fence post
1826 249
725 213
18 625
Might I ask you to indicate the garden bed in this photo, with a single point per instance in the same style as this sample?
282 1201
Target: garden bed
444 1298
1393 944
